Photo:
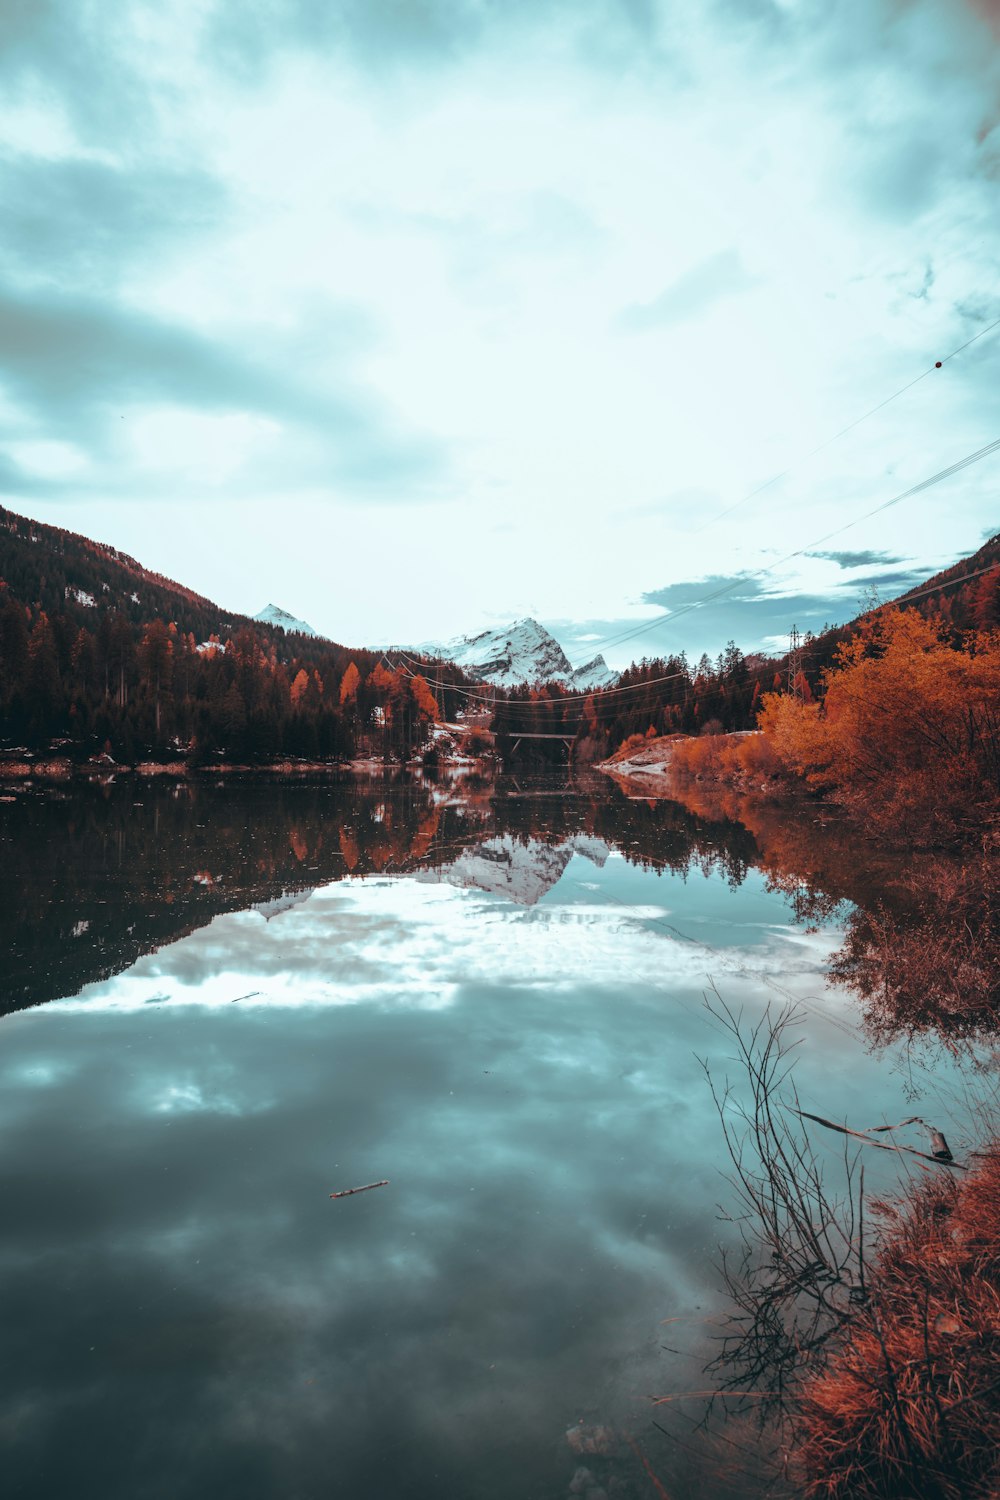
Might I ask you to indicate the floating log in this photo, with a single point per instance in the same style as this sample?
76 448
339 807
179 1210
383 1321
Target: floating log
347 1192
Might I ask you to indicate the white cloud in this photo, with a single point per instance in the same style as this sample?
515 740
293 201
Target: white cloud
804 233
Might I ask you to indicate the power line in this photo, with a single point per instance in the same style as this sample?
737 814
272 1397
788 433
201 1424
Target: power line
542 703
924 484
938 364
828 442
935 588
744 578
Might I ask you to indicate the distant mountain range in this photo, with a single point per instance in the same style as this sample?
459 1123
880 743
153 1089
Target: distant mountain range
523 652
85 585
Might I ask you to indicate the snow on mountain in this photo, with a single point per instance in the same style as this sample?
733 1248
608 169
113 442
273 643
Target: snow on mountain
519 872
272 615
284 902
593 674
592 848
522 652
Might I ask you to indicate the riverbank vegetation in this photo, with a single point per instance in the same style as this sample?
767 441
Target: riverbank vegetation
908 1403
866 1329
904 730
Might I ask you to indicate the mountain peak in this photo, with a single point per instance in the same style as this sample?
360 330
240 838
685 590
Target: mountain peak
273 614
522 652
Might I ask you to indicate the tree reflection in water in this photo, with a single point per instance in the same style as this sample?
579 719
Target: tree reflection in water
864 1333
921 931
933 967
93 879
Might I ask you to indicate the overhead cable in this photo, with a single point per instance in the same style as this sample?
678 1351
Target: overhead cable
828 442
924 484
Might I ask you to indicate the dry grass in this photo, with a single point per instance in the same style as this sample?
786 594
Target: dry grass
909 1404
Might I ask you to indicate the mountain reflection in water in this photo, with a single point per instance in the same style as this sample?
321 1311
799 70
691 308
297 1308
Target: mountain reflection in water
491 998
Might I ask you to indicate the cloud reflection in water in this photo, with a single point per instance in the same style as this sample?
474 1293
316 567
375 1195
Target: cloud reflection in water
189 1314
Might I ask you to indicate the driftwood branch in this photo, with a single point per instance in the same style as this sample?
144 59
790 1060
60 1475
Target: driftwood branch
348 1192
939 1159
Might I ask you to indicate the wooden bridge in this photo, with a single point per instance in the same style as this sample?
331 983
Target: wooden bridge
517 737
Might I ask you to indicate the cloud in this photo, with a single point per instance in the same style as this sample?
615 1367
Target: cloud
81 219
898 582
383 34
675 596
16 480
758 612
85 56
64 353
691 295
856 559
76 364
500 189
373 32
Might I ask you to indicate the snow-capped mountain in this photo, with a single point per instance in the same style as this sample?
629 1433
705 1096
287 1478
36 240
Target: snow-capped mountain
520 872
593 674
272 615
522 652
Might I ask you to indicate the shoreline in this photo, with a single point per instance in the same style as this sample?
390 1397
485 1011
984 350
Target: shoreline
648 770
59 770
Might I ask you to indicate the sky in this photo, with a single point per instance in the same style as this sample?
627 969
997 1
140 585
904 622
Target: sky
417 316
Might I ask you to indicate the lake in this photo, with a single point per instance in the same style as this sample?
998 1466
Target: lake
223 1003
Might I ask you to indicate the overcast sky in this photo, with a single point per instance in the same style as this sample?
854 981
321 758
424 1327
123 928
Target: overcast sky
414 316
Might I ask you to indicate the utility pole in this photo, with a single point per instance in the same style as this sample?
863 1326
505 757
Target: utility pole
794 663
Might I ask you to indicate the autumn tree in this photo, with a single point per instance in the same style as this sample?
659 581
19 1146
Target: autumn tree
349 684
300 687
908 732
425 700
13 657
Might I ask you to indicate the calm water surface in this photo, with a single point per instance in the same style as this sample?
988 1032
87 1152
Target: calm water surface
222 1005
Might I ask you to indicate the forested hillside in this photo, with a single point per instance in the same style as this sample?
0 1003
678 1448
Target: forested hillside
965 597
99 654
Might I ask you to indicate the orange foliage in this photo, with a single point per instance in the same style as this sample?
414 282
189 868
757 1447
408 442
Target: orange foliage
424 698
910 1403
632 743
380 679
349 848
726 757
299 688
349 684
909 730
